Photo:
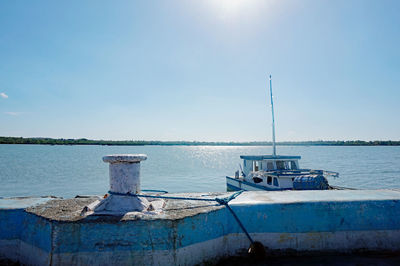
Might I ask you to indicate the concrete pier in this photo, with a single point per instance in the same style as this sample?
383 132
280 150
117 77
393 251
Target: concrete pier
53 231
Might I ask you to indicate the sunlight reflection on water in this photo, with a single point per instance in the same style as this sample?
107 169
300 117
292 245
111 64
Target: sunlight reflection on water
70 170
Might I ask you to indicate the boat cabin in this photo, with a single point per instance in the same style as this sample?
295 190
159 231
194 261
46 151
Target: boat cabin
252 163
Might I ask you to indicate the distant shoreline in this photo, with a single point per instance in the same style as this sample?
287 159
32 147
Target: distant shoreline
51 141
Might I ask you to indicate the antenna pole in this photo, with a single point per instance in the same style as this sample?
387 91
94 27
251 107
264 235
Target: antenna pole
273 117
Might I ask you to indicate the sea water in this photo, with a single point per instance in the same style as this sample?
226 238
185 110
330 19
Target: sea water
67 171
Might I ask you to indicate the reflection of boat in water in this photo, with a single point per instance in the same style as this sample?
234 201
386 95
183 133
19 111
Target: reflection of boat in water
276 172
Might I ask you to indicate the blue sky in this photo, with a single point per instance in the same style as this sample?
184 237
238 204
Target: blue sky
198 70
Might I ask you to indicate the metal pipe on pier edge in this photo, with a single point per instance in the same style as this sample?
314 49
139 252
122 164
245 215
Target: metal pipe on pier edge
273 117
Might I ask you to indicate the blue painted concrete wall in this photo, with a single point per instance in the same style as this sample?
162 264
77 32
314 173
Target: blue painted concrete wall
327 218
11 222
319 216
140 235
15 223
17 226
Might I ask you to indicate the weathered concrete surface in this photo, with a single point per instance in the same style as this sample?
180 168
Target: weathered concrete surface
190 232
69 210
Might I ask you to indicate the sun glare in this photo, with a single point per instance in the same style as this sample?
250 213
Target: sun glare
227 9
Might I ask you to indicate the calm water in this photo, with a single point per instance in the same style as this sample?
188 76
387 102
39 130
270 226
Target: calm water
71 170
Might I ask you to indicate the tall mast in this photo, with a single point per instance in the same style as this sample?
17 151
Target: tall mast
273 117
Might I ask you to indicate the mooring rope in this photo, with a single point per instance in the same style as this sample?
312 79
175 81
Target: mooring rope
155 190
239 222
221 201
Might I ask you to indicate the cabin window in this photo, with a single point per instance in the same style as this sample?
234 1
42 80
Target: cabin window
257 180
276 182
280 165
270 166
256 166
269 180
293 165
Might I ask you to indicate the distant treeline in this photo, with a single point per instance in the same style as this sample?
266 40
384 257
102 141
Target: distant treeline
50 141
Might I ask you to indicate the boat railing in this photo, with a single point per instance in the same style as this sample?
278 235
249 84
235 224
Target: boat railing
331 173
297 172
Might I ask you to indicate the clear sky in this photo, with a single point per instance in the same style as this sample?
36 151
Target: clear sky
198 70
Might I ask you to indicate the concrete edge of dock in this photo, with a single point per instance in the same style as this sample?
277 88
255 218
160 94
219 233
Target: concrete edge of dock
48 231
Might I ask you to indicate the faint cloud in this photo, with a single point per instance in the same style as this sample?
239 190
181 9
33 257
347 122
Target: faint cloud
3 95
13 113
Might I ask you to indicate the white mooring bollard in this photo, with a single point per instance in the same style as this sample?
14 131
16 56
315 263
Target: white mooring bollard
125 172
124 179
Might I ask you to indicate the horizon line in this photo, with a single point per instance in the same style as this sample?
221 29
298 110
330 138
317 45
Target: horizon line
85 141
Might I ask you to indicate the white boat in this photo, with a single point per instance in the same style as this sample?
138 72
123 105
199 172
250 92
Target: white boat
276 172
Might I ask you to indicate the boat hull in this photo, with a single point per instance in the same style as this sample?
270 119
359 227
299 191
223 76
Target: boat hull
235 184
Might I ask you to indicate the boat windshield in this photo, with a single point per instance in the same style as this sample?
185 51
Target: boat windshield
286 165
280 165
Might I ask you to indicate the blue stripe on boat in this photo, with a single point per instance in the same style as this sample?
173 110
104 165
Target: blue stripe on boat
256 186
